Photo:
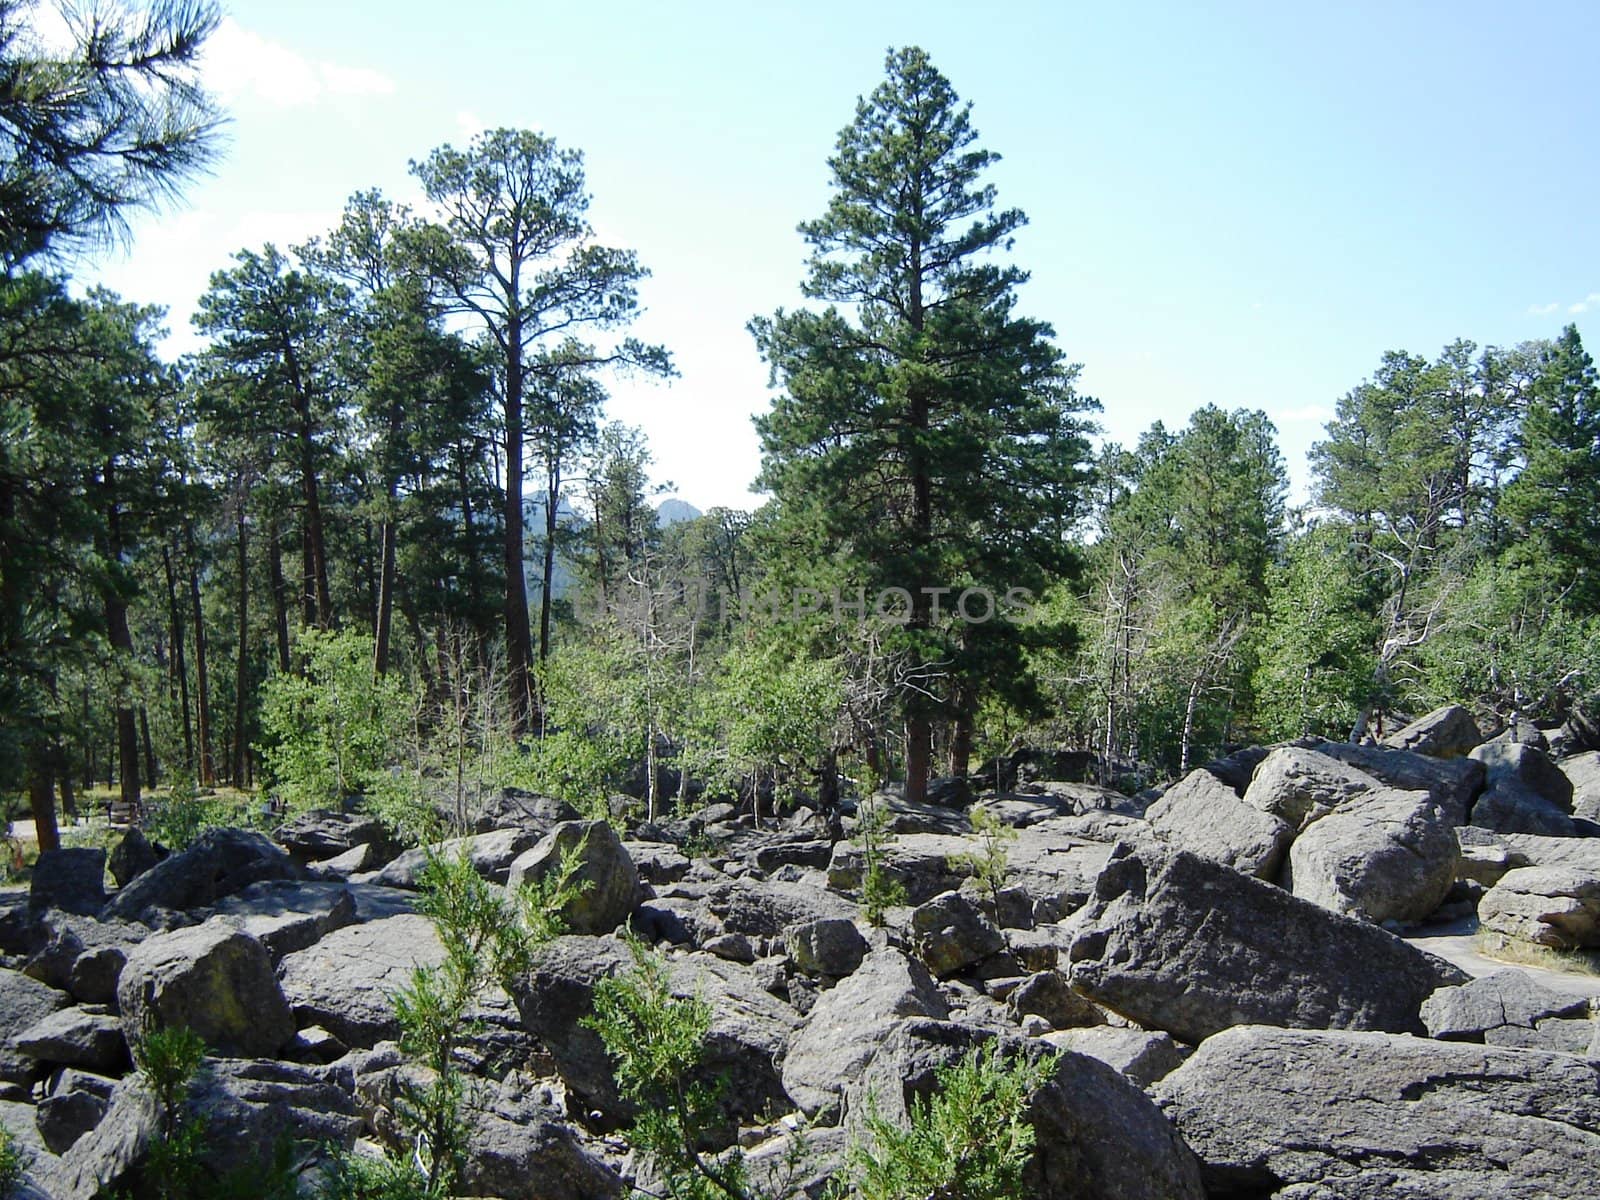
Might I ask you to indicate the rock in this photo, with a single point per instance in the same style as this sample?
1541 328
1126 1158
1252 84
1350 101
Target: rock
320 834
83 956
1386 856
75 1105
286 915
658 863
72 880
925 864
519 1149
829 946
314 1044
1505 1008
1364 1116
1047 994
952 933
606 875
1142 1056
1453 782
1525 791
24 1002
845 1026
1583 772
1300 785
213 978
355 861
1557 907
734 947
1447 732
249 1108
76 1037
749 1028
1203 815
513 808
1532 850
1178 942
1096 1135
220 863
766 909
491 855
132 857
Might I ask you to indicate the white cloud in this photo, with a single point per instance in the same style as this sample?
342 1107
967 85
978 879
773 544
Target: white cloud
1584 305
1317 413
1543 310
238 63
470 123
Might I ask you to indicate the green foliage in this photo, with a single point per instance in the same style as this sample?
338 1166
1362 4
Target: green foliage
969 1141
988 863
167 1060
14 1161
177 819
332 732
657 1039
880 891
355 1177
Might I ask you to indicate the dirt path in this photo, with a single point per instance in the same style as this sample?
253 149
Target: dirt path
1456 943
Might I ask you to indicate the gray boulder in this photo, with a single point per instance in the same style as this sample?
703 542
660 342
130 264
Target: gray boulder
24 1002
286 915
1447 732
952 933
1182 943
132 857
83 956
1525 792
749 1028
1453 782
1370 1116
76 1104
213 978
1385 856
72 880
830 946
491 855
76 1037
220 863
925 864
1506 1008
1203 815
767 908
845 1026
1097 1137
520 1149
1047 994
1557 907
1583 772
605 873
1299 785
1142 1056
320 834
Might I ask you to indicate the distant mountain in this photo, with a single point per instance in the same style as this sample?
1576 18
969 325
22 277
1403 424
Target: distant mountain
673 510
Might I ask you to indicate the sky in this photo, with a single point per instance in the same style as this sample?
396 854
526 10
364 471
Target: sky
1241 204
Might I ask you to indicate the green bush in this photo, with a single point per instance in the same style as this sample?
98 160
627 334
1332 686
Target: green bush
14 1160
879 890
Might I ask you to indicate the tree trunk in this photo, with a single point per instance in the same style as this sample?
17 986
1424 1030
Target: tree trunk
317 546
69 799
280 594
1189 708
149 751
919 757
385 615
552 499
519 638
241 677
180 667
202 686
41 799
961 744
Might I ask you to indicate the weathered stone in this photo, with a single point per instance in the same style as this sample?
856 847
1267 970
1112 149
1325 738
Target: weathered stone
286 915
1047 994
320 834
75 1105
1299 785
658 863
845 1026
924 864
132 857
220 863
1097 1137
23 1003
605 874
519 1149
1508 1008
1370 1116
1453 782
1385 856
1181 943
1142 1056
1583 772
734 947
952 933
1447 732
1524 792
491 855
72 880
1557 907
215 979
76 1037
749 1028
829 946
767 908
83 956
1203 815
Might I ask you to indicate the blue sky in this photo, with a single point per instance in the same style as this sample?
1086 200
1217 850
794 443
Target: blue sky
1240 204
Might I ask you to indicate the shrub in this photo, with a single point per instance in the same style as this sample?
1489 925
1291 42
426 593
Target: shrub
988 864
879 891
14 1160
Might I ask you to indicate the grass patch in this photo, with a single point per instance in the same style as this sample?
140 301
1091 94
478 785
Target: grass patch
1520 953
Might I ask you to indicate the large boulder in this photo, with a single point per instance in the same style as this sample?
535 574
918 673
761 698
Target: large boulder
1370 1116
1142 1056
1097 1137
924 864
215 979
831 946
220 863
73 880
1508 1008
132 857
1453 782
1385 856
24 1002
83 956
845 1026
1525 792
749 1027
491 855
606 878
286 915
1182 943
1447 732
1299 785
520 1149
1583 772
1203 815
767 908
76 1037
76 1104
1557 907
320 834
952 933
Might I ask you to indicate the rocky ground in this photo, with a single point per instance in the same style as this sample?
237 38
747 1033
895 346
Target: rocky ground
1235 975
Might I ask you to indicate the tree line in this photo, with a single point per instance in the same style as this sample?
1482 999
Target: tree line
300 557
